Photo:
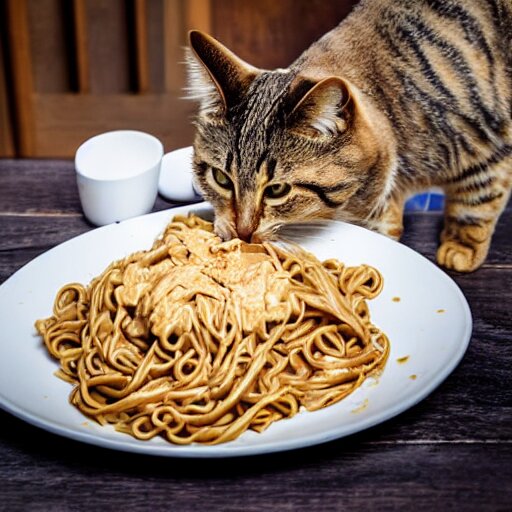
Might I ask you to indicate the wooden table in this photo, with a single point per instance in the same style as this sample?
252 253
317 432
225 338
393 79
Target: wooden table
452 451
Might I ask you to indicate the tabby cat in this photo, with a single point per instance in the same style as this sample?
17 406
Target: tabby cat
401 96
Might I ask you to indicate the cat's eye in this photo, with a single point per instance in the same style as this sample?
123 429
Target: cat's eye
277 190
222 179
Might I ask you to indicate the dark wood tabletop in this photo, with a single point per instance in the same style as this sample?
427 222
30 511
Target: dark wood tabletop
452 451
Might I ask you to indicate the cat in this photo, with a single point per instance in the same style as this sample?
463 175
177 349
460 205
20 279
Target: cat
399 97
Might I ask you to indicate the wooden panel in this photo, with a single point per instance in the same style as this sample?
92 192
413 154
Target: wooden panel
198 14
155 34
21 69
108 46
80 47
141 46
6 133
63 121
48 46
270 33
174 38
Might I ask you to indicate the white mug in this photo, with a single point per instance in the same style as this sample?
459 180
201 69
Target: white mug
117 175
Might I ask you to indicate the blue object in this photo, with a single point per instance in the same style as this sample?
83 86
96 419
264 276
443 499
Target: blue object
427 201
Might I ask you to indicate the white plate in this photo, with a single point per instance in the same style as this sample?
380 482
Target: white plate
430 325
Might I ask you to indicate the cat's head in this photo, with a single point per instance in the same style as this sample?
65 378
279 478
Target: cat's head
279 147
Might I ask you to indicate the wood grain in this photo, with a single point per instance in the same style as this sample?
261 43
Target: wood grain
48 473
6 129
48 46
351 474
81 44
272 34
452 451
156 34
198 14
107 37
141 46
66 120
174 39
21 74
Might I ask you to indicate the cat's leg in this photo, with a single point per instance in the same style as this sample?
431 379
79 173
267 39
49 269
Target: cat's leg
391 221
471 214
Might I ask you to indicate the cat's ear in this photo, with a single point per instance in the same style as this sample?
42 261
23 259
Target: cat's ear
217 78
324 110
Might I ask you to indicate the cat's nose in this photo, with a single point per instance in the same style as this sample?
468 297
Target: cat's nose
246 221
245 233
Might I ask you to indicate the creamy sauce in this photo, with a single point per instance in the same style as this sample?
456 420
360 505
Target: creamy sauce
233 272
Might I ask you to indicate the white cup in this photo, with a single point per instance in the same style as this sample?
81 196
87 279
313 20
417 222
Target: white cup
176 176
117 175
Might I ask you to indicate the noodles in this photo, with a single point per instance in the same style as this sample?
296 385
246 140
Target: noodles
198 340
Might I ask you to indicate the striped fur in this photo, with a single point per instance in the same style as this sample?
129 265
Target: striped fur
401 96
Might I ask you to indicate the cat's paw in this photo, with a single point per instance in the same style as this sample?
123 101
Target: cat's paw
456 256
464 247
395 232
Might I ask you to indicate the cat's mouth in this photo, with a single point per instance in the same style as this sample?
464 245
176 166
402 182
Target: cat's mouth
228 231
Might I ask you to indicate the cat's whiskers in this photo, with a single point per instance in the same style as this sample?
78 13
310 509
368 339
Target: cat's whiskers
300 230
267 232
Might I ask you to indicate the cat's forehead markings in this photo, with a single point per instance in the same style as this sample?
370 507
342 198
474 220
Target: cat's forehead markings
229 161
270 168
259 117
266 166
